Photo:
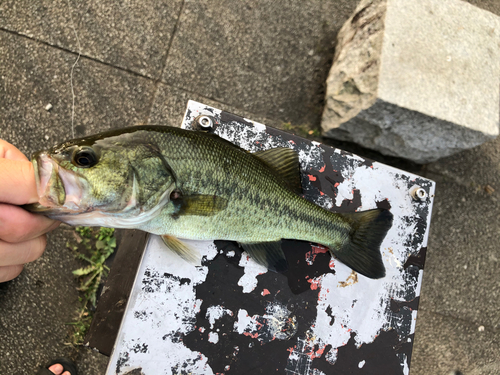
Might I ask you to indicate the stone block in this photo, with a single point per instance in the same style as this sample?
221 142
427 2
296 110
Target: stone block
415 79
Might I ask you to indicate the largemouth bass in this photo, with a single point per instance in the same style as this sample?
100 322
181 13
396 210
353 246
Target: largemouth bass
183 184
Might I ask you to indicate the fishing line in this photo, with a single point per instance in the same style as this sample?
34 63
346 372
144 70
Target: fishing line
72 70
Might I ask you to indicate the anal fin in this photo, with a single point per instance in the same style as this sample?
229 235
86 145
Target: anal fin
182 249
268 254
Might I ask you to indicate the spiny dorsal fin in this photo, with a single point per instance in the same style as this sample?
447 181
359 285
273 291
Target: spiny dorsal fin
285 162
198 204
182 249
268 254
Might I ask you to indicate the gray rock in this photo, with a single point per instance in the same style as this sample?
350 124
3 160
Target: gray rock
418 80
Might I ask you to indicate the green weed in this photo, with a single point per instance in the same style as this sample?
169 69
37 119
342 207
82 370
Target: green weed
93 246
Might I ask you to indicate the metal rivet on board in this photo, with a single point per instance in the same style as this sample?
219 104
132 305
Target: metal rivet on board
418 193
205 122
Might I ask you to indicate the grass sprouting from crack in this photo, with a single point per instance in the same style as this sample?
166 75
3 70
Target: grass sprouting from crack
94 246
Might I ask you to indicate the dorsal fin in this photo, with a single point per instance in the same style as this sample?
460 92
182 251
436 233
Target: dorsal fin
285 162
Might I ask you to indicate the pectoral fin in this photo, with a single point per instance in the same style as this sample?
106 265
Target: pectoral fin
197 204
182 249
269 254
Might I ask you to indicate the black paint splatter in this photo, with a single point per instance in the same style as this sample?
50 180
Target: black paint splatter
123 358
141 315
417 260
140 348
153 281
252 353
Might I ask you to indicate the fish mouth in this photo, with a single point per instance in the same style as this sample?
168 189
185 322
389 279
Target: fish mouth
57 187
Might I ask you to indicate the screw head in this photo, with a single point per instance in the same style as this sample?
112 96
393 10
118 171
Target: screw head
418 193
205 122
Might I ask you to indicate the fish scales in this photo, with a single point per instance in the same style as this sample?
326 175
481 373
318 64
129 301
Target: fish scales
212 166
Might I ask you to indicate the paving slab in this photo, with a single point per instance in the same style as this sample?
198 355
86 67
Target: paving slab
263 57
133 35
444 344
464 256
34 75
169 107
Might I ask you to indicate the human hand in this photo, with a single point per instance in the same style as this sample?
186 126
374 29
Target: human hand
22 234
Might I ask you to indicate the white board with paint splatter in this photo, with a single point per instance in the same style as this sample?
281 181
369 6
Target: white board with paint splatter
233 316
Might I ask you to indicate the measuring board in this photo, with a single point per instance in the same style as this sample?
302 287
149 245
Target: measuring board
233 316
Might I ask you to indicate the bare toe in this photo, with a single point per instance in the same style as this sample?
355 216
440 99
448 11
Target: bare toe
57 369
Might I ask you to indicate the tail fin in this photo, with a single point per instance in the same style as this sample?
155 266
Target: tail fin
362 251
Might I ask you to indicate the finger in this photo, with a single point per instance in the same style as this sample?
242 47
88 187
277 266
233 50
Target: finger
8 151
23 252
8 273
18 182
19 225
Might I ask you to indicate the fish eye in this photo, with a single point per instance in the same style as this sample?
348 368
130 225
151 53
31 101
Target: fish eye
85 157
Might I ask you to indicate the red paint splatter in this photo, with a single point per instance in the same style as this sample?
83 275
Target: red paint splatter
252 335
309 350
318 249
322 169
321 193
331 264
315 283
265 292
320 351
311 177
292 142
336 184
315 250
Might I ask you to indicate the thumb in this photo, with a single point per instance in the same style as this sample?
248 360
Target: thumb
17 182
